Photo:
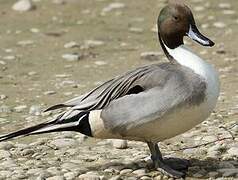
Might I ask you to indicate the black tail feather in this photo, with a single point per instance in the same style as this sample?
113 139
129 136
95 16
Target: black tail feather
78 123
26 131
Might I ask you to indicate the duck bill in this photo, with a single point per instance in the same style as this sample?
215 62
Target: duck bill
198 37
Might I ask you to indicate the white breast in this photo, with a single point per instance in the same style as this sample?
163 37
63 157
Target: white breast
186 57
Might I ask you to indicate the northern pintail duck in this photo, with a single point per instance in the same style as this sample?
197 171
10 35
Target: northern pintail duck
151 103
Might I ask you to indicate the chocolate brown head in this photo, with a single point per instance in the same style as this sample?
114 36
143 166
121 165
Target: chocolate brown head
176 21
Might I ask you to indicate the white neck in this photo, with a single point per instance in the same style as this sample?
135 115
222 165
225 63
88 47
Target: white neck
186 57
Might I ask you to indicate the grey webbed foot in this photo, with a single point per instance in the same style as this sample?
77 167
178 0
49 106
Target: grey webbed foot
172 167
169 171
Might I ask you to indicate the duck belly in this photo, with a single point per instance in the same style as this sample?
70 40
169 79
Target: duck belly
174 123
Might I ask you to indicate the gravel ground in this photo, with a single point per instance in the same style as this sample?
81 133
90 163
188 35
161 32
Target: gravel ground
53 50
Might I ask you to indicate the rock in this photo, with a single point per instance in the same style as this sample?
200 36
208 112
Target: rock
125 171
56 178
189 151
213 174
20 108
227 172
136 30
54 171
224 5
70 166
139 172
63 143
209 138
100 63
32 73
216 147
225 164
9 163
213 154
4 154
233 151
49 93
145 178
42 175
3 96
5 174
34 30
23 5
229 12
112 6
119 144
27 152
219 24
93 43
70 175
6 145
89 177
118 177
9 57
72 57
4 109
58 1
25 42
35 110
71 44
199 8
150 56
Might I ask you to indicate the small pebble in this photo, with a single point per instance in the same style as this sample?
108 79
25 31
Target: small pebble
119 144
35 110
233 151
23 5
72 57
112 6
219 25
88 177
20 108
71 44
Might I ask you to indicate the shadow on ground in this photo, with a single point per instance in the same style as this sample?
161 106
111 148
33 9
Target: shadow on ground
199 169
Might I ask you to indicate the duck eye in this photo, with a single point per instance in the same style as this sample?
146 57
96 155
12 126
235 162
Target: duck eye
175 18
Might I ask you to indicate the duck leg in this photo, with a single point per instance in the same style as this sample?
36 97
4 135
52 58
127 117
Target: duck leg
160 164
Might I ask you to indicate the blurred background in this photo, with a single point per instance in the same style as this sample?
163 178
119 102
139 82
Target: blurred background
54 50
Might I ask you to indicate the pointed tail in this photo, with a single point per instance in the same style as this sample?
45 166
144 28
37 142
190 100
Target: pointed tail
78 122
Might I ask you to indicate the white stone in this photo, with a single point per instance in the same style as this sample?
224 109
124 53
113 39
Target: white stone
112 6
93 43
71 44
3 96
9 57
20 108
71 57
233 151
4 154
100 63
219 24
55 178
49 92
119 144
64 142
25 42
224 5
58 1
23 5
35 110
89 177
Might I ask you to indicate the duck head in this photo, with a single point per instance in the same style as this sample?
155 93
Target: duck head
176 21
